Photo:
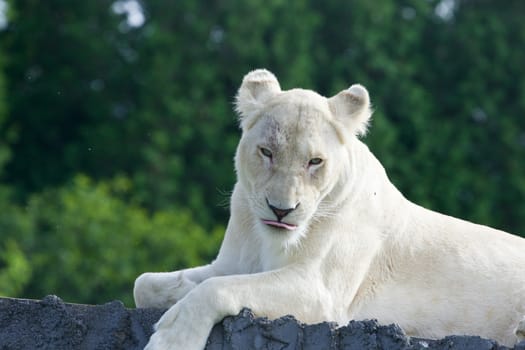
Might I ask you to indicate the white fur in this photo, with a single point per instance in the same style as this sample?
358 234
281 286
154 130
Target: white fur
360 250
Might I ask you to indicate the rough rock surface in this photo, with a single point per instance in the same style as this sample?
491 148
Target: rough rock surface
53 324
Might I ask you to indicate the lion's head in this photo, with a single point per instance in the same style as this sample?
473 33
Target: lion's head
293 158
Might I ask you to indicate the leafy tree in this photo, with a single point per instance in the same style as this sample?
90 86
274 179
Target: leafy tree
14 267
482 116
4 148
15 270
84 243
16 232
71 85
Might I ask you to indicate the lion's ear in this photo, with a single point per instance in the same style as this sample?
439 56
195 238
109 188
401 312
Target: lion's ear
257 86
351 107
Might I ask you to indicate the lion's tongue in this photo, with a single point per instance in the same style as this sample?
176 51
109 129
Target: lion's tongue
280 224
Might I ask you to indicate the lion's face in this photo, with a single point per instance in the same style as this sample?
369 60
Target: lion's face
289 160
292 155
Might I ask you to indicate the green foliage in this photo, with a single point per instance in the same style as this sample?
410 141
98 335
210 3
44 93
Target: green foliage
87 244
4 148
16 231
70 87
15 269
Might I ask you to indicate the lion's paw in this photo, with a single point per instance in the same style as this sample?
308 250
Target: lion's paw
161 290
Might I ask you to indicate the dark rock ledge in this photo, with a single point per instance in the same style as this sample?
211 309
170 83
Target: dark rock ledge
53 324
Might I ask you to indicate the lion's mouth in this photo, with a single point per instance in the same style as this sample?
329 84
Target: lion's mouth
280 224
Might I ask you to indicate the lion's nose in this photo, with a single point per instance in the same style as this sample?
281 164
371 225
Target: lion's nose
280 213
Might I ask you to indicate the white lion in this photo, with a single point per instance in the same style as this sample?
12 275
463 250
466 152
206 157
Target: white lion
318 231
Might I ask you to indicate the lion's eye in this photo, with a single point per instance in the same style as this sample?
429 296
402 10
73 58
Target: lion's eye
266 152
315 161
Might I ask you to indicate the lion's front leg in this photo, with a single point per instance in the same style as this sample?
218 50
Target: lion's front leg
164 289
187 324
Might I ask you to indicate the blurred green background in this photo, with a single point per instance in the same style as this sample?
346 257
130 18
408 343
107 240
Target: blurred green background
117 132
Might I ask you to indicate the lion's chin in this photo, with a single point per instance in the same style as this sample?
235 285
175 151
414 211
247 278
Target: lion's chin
280 224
